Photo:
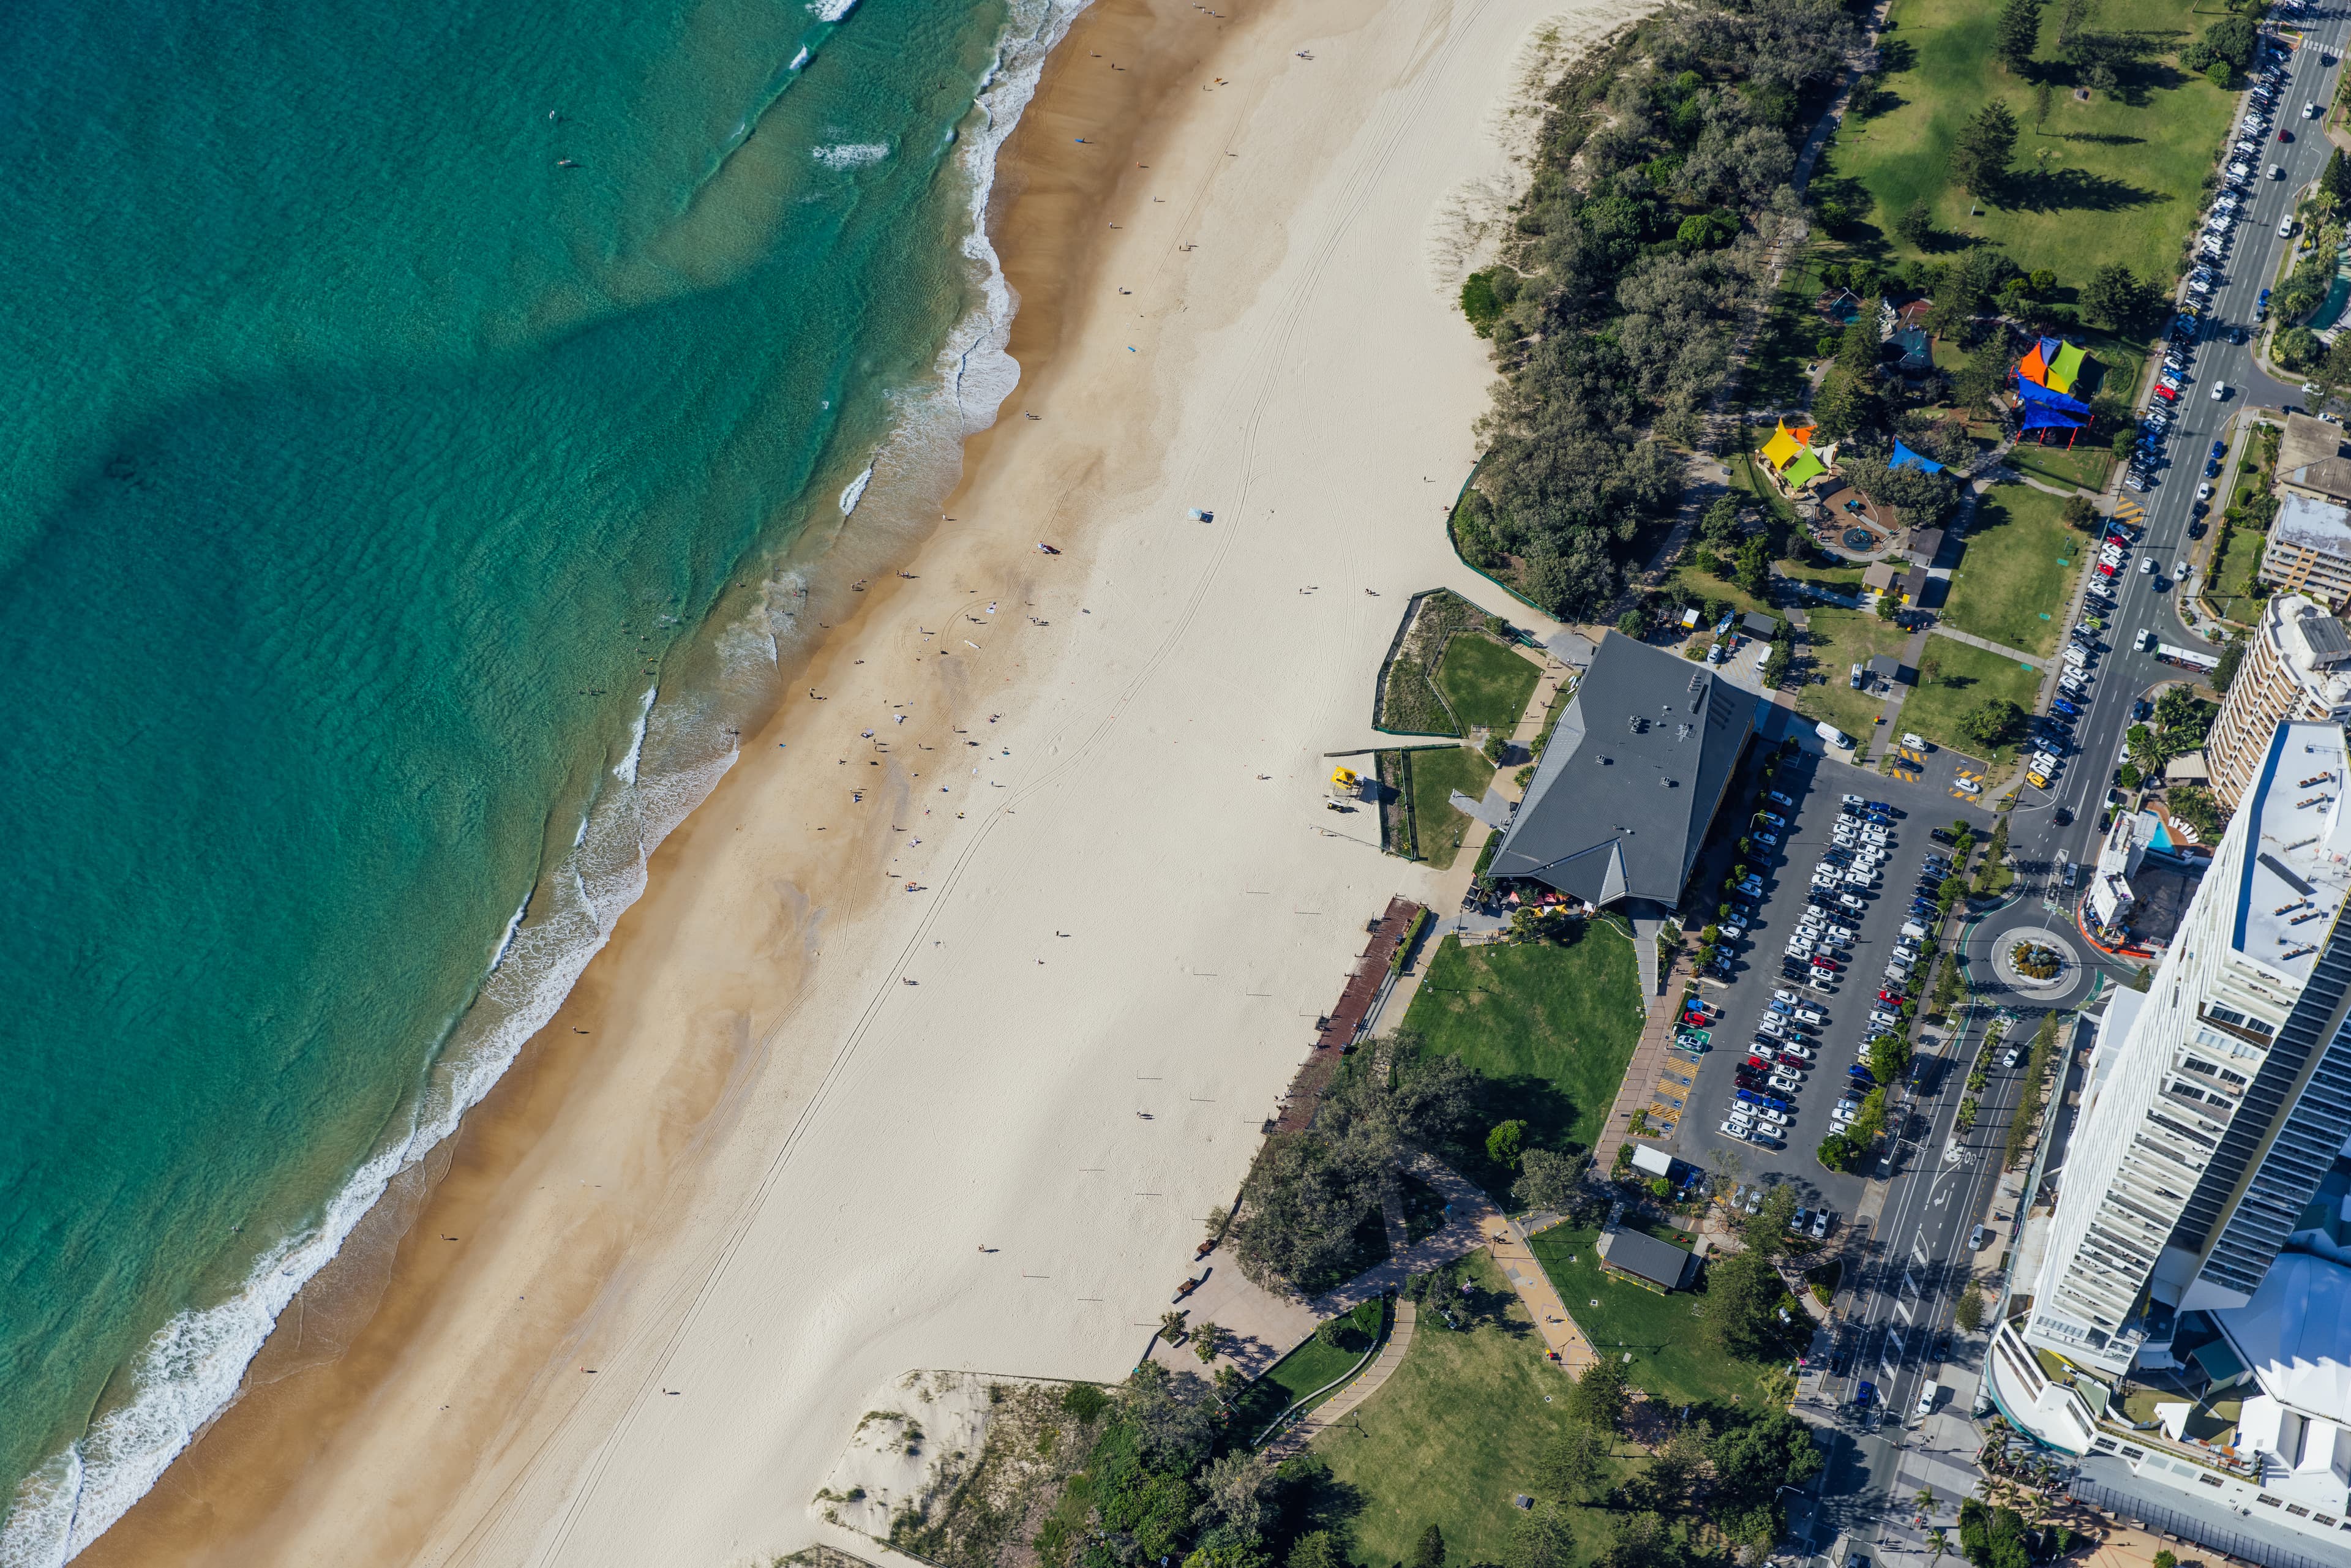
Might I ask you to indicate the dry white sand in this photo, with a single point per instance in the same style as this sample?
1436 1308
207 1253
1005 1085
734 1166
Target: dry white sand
1132 904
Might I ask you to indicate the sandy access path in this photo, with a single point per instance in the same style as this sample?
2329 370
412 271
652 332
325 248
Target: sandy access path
799 1130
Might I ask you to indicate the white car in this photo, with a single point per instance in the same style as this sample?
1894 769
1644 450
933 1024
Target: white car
1882 1019
1788 997
1734 924
1785 1081
1841 933
1796 1049
2007 1059
1770 1024
2219 390
2147 567
1774 818
1967 786
1809 1015
1854 801
1769 1114
1738 1127
1913 742
1842 1112
2285 228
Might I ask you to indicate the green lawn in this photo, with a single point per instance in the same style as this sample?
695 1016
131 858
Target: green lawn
1953 679
2242 558
1745 482
2087 465
1452 1435
1436 827
1550 1027
2115 179
1839 640
1836 578
1672 1358
1706 585
1307 1367
2009 586
1486 683
1774 375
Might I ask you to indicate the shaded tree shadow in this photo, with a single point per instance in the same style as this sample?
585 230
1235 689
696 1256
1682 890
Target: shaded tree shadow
2074 189
1895 54
2101 138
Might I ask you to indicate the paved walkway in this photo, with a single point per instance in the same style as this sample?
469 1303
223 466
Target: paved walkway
1367 1382
1553 1321
2037 661
1638 1088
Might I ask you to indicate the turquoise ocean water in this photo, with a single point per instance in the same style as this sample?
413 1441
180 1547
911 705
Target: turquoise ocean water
409 411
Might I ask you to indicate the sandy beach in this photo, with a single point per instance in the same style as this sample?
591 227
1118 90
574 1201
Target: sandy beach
932 1049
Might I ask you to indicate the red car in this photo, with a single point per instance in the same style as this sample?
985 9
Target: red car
2283 134
1759 1064
2167 394
2104 571
1793 1062
1826 966
1891 999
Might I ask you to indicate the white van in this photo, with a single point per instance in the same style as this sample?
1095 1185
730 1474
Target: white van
1928 1394
1913 931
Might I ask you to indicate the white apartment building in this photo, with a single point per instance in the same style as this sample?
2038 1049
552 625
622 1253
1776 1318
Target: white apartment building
2214 1124
2297 665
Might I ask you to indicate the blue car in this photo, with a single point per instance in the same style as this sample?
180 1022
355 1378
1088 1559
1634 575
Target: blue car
1857 1071
2212 469
2219 449
1749 1097
2066 706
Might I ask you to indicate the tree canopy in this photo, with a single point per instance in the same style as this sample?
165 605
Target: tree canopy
1982 150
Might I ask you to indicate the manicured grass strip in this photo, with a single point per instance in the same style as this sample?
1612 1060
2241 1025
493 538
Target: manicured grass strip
1552 1027
1839 640
1673 1357
1436 774
2009 586
1486 683
2087 466
1953 680
1453 1435
2115 179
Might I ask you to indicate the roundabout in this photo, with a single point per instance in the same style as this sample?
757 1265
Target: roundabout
2037 962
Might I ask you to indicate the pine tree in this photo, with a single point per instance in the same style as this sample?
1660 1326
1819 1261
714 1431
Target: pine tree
2020 34
1429 1552
1980 155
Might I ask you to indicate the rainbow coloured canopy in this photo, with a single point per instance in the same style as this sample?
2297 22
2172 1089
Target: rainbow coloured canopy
2034 368
2066 369
2042 397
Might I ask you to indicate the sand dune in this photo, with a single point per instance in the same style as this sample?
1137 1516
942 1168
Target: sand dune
823 1129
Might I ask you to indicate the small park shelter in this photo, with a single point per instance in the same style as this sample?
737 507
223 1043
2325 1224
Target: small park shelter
1654 1265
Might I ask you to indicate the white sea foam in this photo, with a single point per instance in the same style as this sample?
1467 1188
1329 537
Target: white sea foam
850 154
798 60
626 770
856 491
505 942
675 754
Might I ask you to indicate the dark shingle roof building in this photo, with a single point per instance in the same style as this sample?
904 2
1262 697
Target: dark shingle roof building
1660 1265
1631 777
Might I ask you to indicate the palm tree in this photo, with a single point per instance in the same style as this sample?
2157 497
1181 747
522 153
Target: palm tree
1937 1544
